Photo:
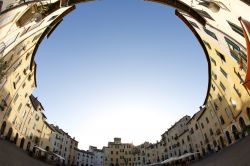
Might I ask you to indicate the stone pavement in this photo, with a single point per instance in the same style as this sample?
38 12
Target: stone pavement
10 155
237 154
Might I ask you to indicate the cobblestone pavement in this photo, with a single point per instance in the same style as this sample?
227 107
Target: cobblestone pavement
237 154
10 155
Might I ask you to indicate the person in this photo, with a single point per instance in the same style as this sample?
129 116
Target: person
216 149
1 137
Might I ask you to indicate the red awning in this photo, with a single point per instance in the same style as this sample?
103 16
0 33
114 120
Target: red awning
246 28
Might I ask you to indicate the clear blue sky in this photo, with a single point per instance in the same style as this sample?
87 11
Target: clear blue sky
120 68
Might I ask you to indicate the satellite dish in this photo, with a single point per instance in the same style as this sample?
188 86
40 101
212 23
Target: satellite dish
214 7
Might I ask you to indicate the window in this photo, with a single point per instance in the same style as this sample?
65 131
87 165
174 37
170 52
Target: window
214 75
14 120
19 107
222 86
216 107
34 126
236 51
207 120
27 56
223 72
213 87
219 97
210 33
212 60
237 91
36 37
196 126
204 14
14 85
207 44
236 28
16 97
191 131
222 120
17 64
24 84
222 57
202 126
29 77
193 24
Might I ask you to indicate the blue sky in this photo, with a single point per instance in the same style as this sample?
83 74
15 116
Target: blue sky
119 68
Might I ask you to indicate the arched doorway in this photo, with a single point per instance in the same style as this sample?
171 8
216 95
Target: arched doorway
243 126
248 113
47 148
228 137
209 149
222 141
235 132
22 143
16 138
214 143
8 137
242 123
203 152
28 146
3 127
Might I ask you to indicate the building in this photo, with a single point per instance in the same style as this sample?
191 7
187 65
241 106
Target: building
84 158
223 119
61 144
98 156
118 153
171 137
72 153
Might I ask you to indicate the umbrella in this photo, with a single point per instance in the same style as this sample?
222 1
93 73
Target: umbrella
185 156
39 148
169 160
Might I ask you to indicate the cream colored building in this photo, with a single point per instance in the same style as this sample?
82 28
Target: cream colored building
171 137
222 120
141 155
62 144
72 152
118 153
46 137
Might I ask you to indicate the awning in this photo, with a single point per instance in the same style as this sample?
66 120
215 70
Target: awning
185 156
60 157
169 160
246 28
156 164
178 158
39 148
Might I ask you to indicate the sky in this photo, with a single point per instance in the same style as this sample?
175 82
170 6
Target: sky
120 68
